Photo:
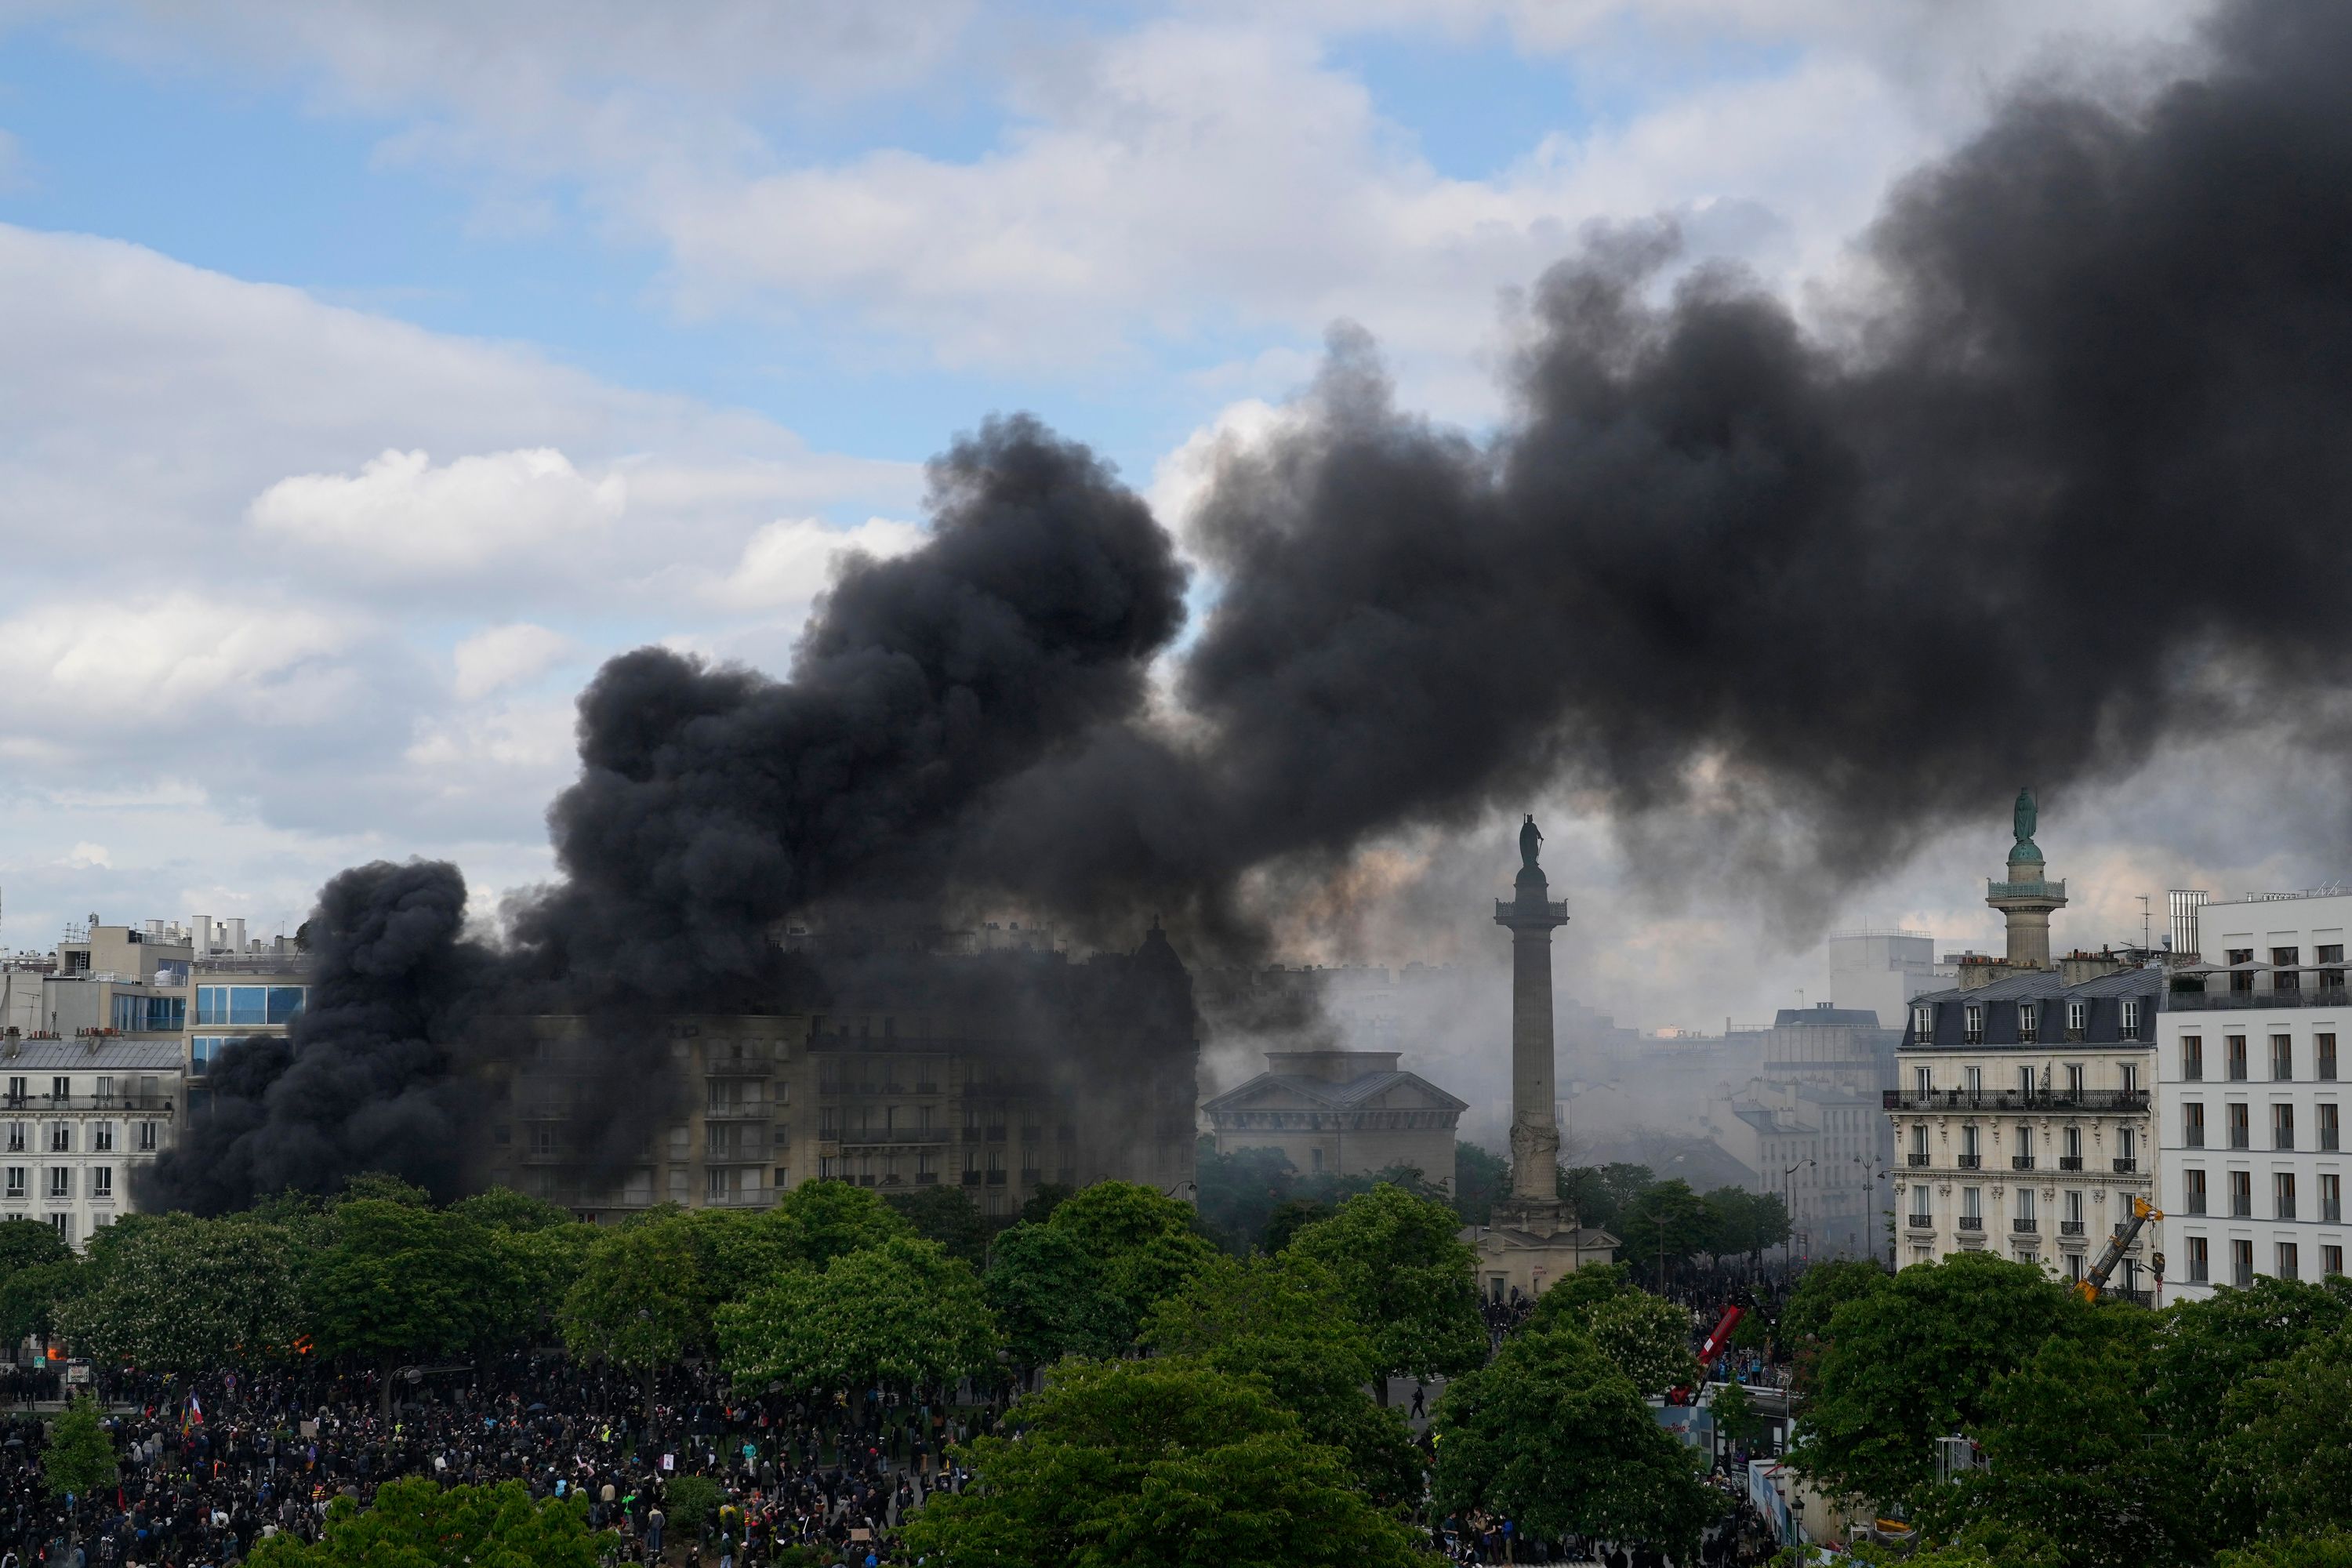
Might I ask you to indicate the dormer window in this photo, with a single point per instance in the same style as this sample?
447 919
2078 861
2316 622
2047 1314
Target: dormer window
1974 1018
2078 1019
2029 1022
1922 1024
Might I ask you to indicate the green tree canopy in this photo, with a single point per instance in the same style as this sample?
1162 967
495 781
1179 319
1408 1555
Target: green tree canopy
1480 1176
1142 1247
1281 1321
1598 1195
416 1523
1042 1286
948 1217
903 1315
1821 1290
29 1243
1647 1338
2286 1467
171 1292
1665 1220
1915 1358
1157 1464
638 1300
396 1281
1238 1192
80 1456
503 1208
1553 1437
820 1221
1405 1275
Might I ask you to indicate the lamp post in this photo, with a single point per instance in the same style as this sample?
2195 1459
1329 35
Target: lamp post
1870 1170
1789 1213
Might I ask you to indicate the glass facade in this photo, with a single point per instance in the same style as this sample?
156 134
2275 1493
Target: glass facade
151 1014
250 1004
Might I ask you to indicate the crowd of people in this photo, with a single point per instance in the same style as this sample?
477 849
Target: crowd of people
209 1467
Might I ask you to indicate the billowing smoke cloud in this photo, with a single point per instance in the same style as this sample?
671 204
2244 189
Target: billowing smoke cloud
2069 478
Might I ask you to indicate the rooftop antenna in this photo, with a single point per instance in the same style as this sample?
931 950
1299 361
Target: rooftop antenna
2144 940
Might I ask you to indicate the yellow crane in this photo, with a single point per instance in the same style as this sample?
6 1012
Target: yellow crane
2143 1212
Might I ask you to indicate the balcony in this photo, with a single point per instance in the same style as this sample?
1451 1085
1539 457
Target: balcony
1971 1161
2070 1227
1921 1222
1971 1221
2070 1161
738 1111
872 1135
2238 1001
2036 891
2136 1297
2125 1166
1918 1160
2025 1227
739 1067
2058 1100
78 1104
2020 1162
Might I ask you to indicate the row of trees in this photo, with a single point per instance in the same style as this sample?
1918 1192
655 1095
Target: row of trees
1254 1199
2213 1431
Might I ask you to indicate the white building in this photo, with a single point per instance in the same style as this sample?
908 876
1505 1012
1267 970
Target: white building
77 1117
1883 971
2248 1102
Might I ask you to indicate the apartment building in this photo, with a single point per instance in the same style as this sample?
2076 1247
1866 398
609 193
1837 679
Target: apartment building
2022 1121
2247 1096
78 1116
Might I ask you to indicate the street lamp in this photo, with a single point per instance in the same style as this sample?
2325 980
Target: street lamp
1789 1214
1870 1170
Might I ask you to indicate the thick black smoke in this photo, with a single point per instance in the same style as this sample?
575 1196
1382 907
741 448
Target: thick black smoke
361 1079
2070 481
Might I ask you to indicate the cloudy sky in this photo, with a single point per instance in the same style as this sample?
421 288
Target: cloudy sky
371 370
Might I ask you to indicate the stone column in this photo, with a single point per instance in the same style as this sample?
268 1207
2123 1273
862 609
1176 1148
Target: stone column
1531 918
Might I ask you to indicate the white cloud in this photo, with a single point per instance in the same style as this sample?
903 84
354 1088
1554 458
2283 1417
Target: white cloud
400 513
789 561
171 663
85 855
504 654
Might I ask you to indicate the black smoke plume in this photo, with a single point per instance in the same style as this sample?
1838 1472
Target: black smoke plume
2067 481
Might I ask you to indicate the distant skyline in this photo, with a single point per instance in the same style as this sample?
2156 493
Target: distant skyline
374 371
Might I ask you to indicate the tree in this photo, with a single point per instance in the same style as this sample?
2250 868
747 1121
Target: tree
1600 1195
174 1293
1736 1420
503 1208
1742 1223
38 1272
1288 1218
1157 1464
2332 1550
1821 1290
1041 1204
1280 1320
820 1221
1406 1277
1480 1176
2287 1466
29 1243
948 1217
1667 1221
903 1315
636 1301
398 1281
1915 1359
1239 1191
1551 1435
1041 1285
1645 1337
416 1524
1141 1245
79 1458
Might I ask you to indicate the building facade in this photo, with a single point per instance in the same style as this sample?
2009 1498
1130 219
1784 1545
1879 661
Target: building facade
999 1072
1342 1113
1813 1126
77 1117
2248 1099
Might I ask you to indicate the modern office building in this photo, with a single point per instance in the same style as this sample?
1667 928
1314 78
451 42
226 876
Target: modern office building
2249 1102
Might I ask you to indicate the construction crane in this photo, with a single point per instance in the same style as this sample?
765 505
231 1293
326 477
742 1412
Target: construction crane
2143 1211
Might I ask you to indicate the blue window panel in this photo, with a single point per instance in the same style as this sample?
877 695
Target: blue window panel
212 1004
203 1049
285 1002
248 1004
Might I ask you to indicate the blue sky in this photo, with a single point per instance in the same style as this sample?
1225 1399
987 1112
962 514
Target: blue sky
375 369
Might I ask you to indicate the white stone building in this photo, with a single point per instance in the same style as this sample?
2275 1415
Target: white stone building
2247 1096
1341 1113
78 1116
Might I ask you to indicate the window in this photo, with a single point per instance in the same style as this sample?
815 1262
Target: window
2029 1022
15 1137
206 1049
102 1183
2331 1130
2025 1085
219 1005
2129 1073
2075 1079
1972 1079
2323 1058
2331 1260
2126 1147
2241 1195
2075 1267
2024 1156
151 1014
1923 1081
2025 1215
2236 1045
1922 1213
1972 1031
60 1181
17 1180
63 1224
61 1137
2192 1190
2131 1018
2193 1125
2241 1262
2078 1019
2286 1260
147 1137
1971 1208
60 1088
2240 1126
2283 1195
1918 1142
2192 1059
2074 1220
101 1137
2282 1058
677 1183
2331 979
1969 1157
1922 1024
2071 1146
2200 1261
2282 1126
2331 1198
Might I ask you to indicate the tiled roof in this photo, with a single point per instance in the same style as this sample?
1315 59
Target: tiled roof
109 1054
1338 1096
